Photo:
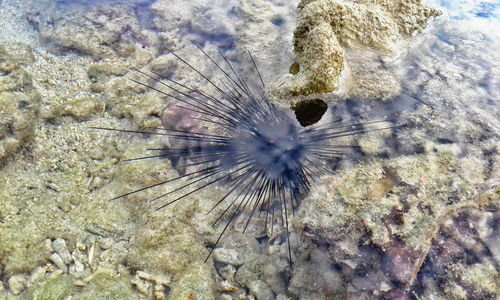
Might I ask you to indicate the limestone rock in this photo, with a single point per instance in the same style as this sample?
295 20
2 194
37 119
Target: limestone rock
328 29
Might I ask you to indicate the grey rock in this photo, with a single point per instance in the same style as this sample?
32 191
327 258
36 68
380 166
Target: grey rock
17 283
59 262
61 248
227 256
261 290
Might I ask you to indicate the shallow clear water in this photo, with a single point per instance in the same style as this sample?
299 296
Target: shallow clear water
61 236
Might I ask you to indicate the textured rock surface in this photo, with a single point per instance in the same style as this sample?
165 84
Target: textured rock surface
380 222
19 101
327 29
93 28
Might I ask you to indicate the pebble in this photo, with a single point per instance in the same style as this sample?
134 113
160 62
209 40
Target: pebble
163 280
80 283
17 283
76 268
48 245
37 274
56 274
227 286
59 262
227 272
141 285
226 297
80 246
261 290
105 255
59 245
159 292
90 254
274 249
105 243
227 256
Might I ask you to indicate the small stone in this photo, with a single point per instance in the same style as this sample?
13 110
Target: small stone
76 268
159 292
141 285
90 254
273 249
227 256
163 280
261 290
145 276
105 243
56 274
106 255
37 274
80 283
227 272
59 262
60 247
48 245
226 297
227 286
17 283
80 246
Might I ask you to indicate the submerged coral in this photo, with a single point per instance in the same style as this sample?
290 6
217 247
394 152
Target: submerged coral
327 28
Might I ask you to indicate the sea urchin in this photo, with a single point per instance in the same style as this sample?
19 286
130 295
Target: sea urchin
263 155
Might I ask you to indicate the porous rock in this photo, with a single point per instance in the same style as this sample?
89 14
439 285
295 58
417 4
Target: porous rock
17 283
379 223
227 256
328 29
19 101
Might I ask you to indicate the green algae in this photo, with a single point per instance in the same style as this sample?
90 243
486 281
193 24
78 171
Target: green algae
81 109
105 285
19 101
421 192
195 283
53 289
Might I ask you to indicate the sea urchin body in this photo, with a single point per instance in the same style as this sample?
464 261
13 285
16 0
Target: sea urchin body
260 151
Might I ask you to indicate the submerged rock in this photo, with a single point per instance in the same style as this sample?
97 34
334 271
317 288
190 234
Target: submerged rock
93 28
19 101
380 222
328 29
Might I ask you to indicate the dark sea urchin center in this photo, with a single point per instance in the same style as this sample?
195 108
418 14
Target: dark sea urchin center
272 147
